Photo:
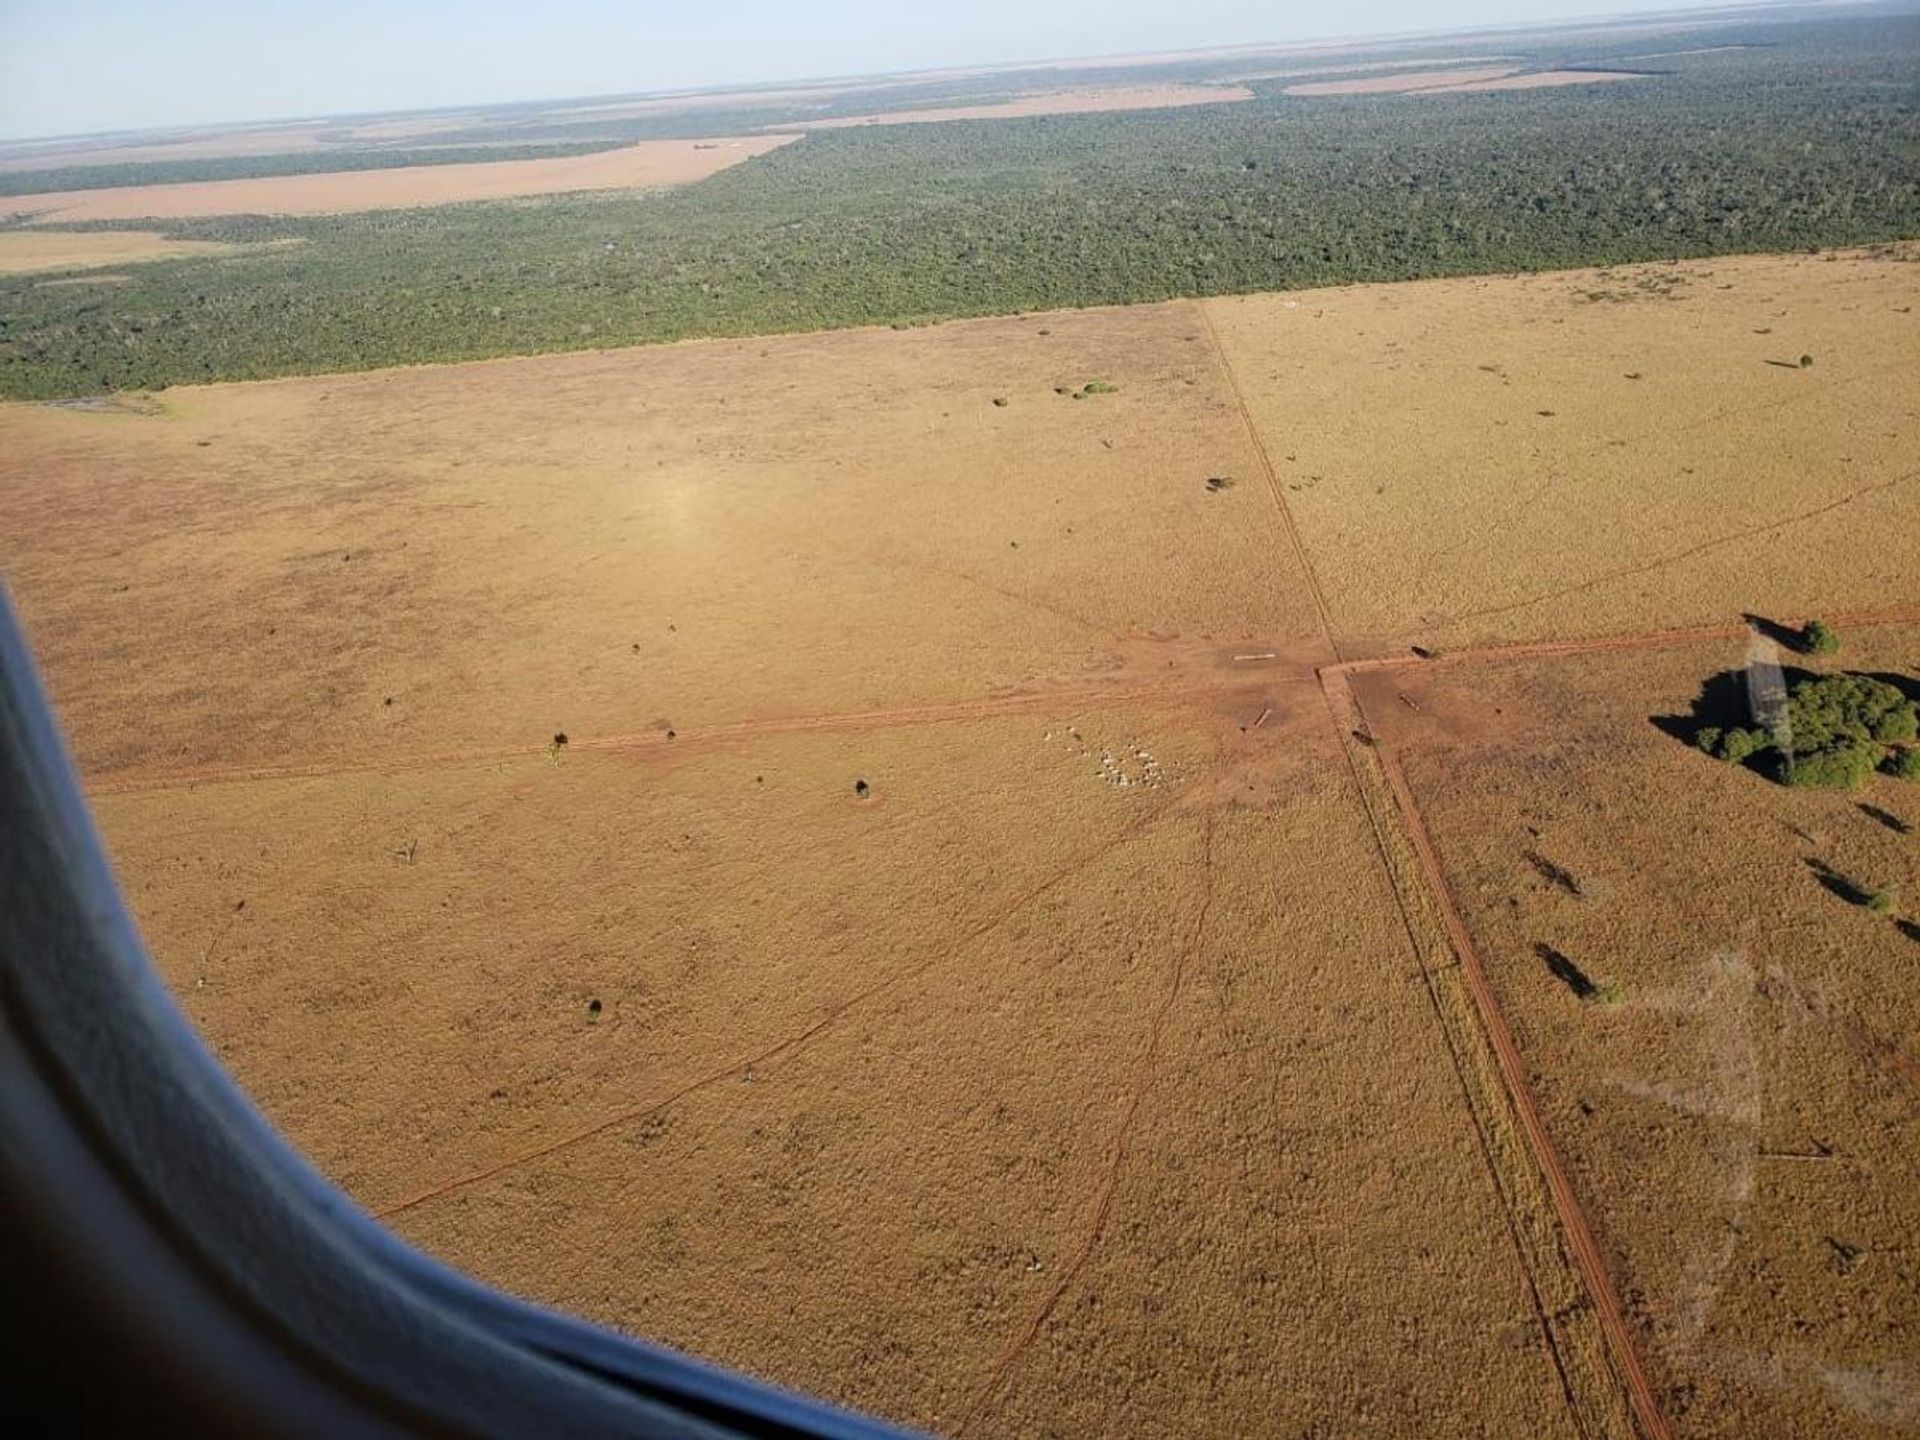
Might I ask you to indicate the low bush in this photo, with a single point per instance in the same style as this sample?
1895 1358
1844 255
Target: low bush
1818 638
1842 768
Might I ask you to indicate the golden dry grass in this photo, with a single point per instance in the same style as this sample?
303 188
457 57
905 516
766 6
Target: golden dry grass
1007 1097
627 541
1000 1030
27 252
1594 452
644 165
1739 1124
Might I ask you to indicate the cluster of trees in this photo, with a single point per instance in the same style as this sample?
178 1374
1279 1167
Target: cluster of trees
1837 730
1813 141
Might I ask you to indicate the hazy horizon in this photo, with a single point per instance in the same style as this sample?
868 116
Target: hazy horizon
67 71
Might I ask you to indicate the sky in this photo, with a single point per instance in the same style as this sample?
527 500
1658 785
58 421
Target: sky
77 66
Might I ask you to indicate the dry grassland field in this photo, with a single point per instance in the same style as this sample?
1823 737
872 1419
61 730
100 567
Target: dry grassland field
850 854
27 252
1586 453
644 165
1062 102
1743 1121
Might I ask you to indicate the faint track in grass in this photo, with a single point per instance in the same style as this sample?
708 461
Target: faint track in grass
1027 702
788 1046
1733 537
1272 476
1109 1181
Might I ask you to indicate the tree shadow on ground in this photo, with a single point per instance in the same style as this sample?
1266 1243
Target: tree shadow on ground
1557 876
1787 636
1722 704
1909 929
1836 883
1885 817
1566 971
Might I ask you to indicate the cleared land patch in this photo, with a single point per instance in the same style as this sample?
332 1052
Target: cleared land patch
1593 452
27 252
858 816
646 164
1060 102
1070 1110
694 536
1538 80
1400 84
1719 1031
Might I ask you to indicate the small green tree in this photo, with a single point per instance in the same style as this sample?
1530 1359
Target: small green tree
1818 638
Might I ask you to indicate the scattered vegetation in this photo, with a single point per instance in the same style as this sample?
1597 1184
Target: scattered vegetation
1607 992
1903 763
1880 902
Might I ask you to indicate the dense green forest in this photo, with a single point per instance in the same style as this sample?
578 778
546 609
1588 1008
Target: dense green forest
1810 137
254 167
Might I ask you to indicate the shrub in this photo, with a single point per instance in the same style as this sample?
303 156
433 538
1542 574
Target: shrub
1904 764
1842 768
1880 902
1737 745
1819 639
1834 711
1707 737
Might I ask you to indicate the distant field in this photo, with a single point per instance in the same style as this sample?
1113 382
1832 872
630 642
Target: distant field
26 252
1541 80
644 165
1398 82
874 819
1066 102
95 173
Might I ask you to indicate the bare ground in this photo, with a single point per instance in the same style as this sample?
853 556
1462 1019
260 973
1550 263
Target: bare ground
648 164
